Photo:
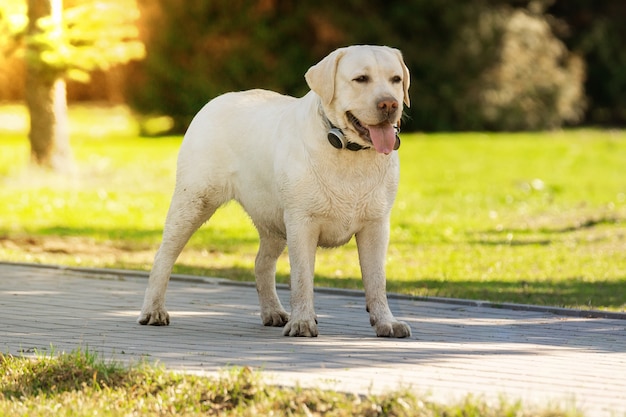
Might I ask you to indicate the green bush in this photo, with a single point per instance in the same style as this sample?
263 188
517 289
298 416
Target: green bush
475 65
535 82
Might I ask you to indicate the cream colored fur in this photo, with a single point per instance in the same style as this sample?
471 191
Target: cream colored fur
270 153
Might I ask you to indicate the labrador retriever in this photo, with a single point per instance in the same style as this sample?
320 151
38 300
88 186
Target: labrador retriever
310 171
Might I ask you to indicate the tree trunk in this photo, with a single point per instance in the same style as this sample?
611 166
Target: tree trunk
46 100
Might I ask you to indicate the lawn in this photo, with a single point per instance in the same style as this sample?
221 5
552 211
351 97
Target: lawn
536 218
80 384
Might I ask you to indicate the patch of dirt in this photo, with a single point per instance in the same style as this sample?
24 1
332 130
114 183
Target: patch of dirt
57 245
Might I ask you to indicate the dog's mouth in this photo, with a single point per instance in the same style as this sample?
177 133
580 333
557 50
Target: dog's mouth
382 135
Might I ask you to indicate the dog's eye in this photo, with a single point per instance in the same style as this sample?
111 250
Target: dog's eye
397 79
362 79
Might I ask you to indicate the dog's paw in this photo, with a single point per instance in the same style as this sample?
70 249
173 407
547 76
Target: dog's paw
154 318
392 329
275 318
304 328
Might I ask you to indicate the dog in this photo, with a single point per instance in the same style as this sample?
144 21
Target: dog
310 172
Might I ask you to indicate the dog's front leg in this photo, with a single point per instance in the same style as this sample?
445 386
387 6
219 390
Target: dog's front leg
372 243
302 243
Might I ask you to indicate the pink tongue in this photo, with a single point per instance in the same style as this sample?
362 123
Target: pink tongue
383 137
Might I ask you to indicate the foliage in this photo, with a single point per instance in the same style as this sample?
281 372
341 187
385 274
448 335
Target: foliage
79 383
451 47
535 83
90 36
13 22
531 218
95 34
454 50
222 46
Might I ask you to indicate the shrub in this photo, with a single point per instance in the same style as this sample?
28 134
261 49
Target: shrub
474 65
535 83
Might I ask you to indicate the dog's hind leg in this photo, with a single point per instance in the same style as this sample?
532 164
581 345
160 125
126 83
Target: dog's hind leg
272 311
188 210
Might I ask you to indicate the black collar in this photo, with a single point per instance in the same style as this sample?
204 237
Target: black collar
339 141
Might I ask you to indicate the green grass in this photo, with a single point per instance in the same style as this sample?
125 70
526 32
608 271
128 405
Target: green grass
79 383
536 218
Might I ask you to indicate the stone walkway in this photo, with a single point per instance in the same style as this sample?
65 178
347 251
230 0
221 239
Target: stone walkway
536 356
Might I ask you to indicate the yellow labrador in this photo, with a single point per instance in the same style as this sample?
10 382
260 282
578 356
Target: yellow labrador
311 171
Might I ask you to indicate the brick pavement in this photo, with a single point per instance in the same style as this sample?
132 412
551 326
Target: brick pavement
456 349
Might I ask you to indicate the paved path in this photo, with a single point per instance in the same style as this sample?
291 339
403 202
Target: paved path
455 349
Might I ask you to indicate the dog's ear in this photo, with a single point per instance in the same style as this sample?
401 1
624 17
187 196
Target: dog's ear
321 76
406 78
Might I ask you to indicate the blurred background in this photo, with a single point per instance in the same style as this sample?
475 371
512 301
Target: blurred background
522 208
475 65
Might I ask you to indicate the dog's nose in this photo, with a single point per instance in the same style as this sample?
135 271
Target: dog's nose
387 105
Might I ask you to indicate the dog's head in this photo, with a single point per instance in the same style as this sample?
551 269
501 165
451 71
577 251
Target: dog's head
363 89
